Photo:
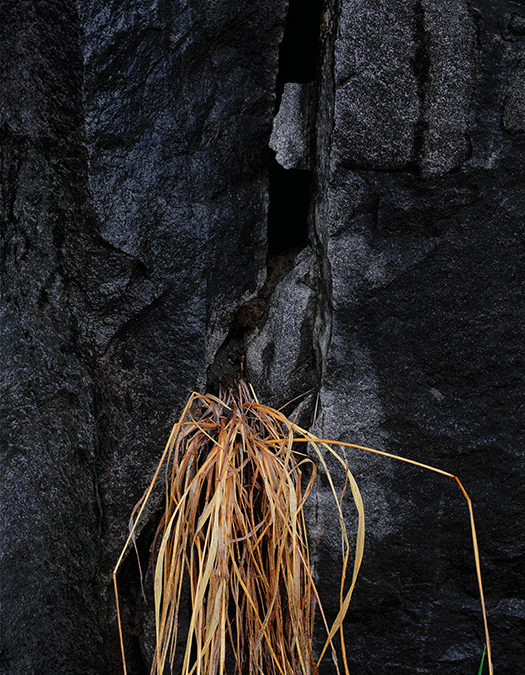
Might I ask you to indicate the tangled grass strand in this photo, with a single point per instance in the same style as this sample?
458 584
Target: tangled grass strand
234 533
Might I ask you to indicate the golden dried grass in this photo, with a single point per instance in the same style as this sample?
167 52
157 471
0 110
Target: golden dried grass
234 530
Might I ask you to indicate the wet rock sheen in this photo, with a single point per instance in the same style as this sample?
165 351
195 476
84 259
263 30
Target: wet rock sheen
367 256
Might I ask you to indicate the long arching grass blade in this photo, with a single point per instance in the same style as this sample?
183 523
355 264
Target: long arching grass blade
234 533
326 443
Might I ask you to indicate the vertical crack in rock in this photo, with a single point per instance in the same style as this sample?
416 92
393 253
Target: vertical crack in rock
288 211
325 117
299 50
274 330
135 226
280 352
290 183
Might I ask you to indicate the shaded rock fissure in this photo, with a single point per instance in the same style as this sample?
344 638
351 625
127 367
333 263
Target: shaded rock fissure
290 189
136 607
325 116
289 198
288 211
299 50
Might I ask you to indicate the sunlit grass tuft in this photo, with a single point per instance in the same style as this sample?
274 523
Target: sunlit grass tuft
233 530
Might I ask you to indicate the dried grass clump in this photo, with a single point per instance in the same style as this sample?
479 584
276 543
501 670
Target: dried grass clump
234 531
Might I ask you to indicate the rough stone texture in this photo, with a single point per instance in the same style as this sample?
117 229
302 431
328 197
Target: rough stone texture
422 280
135 149
135 192
517 24
377 106
447 53
514 111
279 352
293 126
49 512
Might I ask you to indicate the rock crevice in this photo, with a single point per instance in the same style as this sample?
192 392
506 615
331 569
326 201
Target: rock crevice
155 235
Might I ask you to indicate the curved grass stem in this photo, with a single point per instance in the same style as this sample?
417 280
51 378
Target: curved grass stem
234 533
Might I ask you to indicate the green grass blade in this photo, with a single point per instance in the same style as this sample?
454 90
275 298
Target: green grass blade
482 661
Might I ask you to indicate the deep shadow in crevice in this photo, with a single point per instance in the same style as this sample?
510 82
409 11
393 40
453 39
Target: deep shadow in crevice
289 192
288 209
228 364
132 605
290 189
288 228
299 50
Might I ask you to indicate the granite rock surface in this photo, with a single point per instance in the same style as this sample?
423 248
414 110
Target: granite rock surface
150 240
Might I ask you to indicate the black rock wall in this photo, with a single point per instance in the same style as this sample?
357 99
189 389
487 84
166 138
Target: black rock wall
420 224
50 529
151 239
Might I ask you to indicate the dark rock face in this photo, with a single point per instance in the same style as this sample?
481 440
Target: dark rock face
150 240
377 107
135 147
50 528
422 281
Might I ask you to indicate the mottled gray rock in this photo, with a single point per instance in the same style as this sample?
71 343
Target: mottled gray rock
136 266
179 104
135 146
50 516
279 352
420 277
514 110
376 99
292 133
449 45
517 24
